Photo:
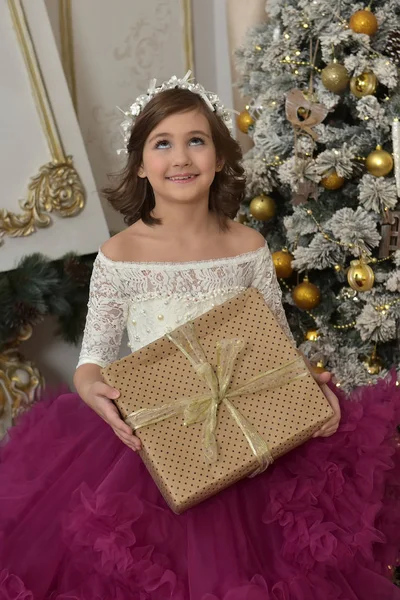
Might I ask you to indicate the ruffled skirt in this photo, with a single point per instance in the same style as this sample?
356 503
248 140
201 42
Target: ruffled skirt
81 519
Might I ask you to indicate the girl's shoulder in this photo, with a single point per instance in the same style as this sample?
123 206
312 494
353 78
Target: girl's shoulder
125 245
245 238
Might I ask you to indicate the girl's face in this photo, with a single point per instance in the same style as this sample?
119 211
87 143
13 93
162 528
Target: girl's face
179 158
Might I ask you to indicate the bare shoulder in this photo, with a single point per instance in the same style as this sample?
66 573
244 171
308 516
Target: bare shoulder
246 238
125 245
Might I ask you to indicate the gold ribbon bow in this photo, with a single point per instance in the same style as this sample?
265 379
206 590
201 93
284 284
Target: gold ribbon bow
205 408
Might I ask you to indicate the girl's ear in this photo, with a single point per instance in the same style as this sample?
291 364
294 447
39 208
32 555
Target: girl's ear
141 172
219 165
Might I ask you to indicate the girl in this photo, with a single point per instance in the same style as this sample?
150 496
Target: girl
79 514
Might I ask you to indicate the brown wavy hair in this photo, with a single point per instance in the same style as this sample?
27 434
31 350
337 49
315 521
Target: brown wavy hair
133 196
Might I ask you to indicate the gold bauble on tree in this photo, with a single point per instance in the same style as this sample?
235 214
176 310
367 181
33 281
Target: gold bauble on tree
306 295
364 21
312 335
363 85
379 162
244 120
360 276
263 207
332 181
335 77
283 263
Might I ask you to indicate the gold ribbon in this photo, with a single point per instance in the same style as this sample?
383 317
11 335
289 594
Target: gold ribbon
205 408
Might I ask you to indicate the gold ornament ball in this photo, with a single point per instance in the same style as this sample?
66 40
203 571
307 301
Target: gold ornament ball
363 85
364 21
360 276
373 364
379 162
306 295
244 121
333 181
283 263
312 335
263 207
335 77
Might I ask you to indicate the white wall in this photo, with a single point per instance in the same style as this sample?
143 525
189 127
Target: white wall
211 49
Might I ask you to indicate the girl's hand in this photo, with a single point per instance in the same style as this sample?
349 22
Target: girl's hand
331 426
99 397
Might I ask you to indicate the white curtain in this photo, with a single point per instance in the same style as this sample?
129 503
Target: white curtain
242 15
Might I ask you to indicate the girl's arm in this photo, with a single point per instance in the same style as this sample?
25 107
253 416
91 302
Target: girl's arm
266 282
105 324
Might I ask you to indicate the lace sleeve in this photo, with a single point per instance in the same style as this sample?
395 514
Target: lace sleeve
266 282
106 317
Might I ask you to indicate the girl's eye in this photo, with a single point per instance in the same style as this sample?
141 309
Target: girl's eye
162 144
196 141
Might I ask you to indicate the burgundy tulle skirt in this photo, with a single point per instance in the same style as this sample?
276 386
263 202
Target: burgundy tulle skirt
81 519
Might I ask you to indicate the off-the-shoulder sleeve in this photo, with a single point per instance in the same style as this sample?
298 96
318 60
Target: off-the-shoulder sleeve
266 282
107 315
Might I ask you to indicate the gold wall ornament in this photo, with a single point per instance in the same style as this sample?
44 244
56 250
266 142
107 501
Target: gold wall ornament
20 382
57 186
67 48
188 34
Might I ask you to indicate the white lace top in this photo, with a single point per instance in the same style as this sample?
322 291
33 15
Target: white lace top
150 299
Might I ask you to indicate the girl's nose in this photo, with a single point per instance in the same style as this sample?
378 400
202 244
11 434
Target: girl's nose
181 156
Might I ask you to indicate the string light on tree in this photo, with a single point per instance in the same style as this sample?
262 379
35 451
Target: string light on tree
379 162
282 260
364 21
306 295
263 207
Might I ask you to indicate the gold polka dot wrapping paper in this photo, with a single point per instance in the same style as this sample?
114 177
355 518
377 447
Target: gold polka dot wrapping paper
217 400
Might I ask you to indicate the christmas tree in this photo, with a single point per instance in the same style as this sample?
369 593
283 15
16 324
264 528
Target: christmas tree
324 175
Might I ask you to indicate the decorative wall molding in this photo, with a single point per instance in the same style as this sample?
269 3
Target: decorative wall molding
57 187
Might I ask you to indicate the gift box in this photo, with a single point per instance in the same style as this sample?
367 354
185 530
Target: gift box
217 400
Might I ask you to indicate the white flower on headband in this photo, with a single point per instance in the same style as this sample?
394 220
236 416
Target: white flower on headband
212 101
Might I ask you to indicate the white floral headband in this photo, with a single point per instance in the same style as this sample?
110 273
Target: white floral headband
211 99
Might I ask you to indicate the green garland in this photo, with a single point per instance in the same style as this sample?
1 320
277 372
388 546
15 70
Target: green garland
40 287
